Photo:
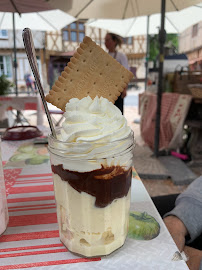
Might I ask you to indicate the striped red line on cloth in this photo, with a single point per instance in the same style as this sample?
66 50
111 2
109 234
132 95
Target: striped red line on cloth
30 199
34 175
28 253
32 209
29 236
31 189
31 247
48 263
33 178
18 182
35 219
34 205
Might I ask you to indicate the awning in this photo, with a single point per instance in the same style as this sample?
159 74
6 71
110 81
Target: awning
192 61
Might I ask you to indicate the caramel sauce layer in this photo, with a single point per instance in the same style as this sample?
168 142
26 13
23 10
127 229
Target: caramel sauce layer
105 184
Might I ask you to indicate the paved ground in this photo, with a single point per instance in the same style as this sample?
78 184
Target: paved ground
143 159
145 162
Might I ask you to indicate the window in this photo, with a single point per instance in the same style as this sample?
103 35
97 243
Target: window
81 26
128 41
195 30
73 25
3 34
5 65
73 36
74 32
81 37
65 35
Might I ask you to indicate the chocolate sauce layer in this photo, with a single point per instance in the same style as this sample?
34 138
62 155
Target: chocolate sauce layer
105 184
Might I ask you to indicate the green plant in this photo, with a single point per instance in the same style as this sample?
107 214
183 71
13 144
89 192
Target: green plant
5 85
171 39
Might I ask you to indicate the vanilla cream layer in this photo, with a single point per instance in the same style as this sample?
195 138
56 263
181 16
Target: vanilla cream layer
86 229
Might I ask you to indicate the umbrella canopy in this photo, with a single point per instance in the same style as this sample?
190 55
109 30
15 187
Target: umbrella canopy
117 9
24 6
51 20
175 22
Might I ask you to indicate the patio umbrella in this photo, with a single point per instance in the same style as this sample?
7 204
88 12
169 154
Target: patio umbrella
117 9
175 22
12 17
24 6
122 9
52 20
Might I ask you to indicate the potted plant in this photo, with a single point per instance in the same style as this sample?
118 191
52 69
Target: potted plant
5 85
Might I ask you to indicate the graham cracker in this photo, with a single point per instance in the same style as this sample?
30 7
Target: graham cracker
91 71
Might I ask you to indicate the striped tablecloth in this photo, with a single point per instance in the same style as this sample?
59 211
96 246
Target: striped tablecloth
32 238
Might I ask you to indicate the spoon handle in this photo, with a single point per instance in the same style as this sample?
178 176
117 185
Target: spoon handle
31 55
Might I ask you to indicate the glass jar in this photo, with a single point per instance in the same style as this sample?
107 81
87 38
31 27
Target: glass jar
92 183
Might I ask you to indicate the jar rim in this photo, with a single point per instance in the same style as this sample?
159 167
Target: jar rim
91 150
54 140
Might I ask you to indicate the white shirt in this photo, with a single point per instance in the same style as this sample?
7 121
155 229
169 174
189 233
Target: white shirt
121 58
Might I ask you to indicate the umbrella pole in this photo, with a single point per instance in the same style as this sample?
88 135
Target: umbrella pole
147 53
18 114
162 38
15 57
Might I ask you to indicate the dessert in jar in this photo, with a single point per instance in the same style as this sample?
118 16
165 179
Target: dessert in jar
92 169
91 155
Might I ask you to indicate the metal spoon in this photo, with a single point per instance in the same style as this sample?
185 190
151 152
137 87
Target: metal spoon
31 55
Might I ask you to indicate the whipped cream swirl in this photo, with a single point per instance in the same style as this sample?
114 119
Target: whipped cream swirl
96 120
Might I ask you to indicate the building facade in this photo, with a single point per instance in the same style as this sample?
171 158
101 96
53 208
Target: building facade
7 55
60 46
190 43
54 50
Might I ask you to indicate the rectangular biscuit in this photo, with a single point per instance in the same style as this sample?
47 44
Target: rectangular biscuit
91 71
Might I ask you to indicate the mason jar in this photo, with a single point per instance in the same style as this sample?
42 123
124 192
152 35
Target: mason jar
92 184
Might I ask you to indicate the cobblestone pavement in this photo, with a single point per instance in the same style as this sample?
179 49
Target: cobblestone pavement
155 187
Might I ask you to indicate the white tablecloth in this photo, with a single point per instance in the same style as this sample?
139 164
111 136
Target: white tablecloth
31 240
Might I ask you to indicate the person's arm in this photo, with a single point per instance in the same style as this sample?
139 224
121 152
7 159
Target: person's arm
194 258
178 232
188 208
185 220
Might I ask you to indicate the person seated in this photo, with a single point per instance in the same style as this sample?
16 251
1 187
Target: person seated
182 214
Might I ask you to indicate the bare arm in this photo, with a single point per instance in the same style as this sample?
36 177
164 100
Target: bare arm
178 232
185 220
